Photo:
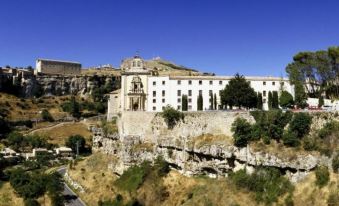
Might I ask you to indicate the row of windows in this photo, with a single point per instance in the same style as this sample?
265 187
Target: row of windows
189 100
178 107
163 92
210 82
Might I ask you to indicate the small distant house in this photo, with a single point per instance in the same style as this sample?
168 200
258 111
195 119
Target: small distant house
64 152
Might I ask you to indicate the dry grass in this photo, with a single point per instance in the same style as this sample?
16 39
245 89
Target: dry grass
279 150
59 133
308 194
93 174
8 196
25 109
209 139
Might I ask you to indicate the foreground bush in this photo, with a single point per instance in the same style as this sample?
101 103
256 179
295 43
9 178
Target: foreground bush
171 116
322 176
267 183
241 132
301 124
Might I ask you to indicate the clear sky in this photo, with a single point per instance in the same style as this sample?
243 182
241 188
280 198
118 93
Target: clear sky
254 37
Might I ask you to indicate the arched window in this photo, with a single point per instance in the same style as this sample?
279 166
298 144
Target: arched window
133 64
138 63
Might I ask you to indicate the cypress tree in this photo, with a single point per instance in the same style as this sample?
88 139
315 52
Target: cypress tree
270 99
259 101
275 100
215 101
211 101
184 103
200 102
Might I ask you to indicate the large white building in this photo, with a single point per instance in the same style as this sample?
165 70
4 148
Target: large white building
142 89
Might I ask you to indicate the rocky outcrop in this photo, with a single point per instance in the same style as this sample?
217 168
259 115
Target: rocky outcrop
144 136
41 85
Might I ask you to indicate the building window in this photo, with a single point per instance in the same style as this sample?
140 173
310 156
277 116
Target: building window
163 108
220 82
179 100
200 92
154 100
282 83
189 82
200 82
273 83
179 92
163 100
154 83
189 100
163 82
163 93
179 82
154 93
179 107
264 93
210 92
189 107
263 83
211 82
264 101
154 108
189 92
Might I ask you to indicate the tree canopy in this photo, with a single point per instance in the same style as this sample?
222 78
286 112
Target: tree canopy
238 92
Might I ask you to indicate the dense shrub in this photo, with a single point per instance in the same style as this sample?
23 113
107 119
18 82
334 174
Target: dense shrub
267 183
76 142
335 163
133 177
241 132
47 116
171 116
322 176
291 139
300 124
328 129
286 100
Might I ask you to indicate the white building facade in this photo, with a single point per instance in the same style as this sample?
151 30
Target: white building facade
143 90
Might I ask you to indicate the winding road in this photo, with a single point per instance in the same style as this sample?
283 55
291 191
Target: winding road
71 198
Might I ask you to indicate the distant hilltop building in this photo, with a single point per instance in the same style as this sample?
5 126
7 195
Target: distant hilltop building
57 67
142 89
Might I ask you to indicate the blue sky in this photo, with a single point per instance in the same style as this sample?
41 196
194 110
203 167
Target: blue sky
250 37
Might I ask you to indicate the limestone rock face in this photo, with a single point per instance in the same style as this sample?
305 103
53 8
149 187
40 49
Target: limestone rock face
64 85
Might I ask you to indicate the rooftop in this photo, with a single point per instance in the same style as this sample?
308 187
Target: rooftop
61 61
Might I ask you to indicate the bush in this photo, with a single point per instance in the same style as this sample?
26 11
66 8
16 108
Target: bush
328 129
47 116
322 176
335 163
267 183
133 177
241 132
290 139
31 202
286 100
171 116
300 124
75 141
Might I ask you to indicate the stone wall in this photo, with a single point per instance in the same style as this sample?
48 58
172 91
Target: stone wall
150 126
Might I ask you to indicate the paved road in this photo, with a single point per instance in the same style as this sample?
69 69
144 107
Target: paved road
71 198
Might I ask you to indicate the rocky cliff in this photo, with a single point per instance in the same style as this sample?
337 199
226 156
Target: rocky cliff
199 145
42 85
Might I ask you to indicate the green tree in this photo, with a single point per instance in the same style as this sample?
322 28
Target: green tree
55 187
215 101
259 101
286 100
300 124
72 107
241 132
171 116
200 102
47 116
275 100
238 92
270 100
321 101
75 141
184 103
322 176
211 101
